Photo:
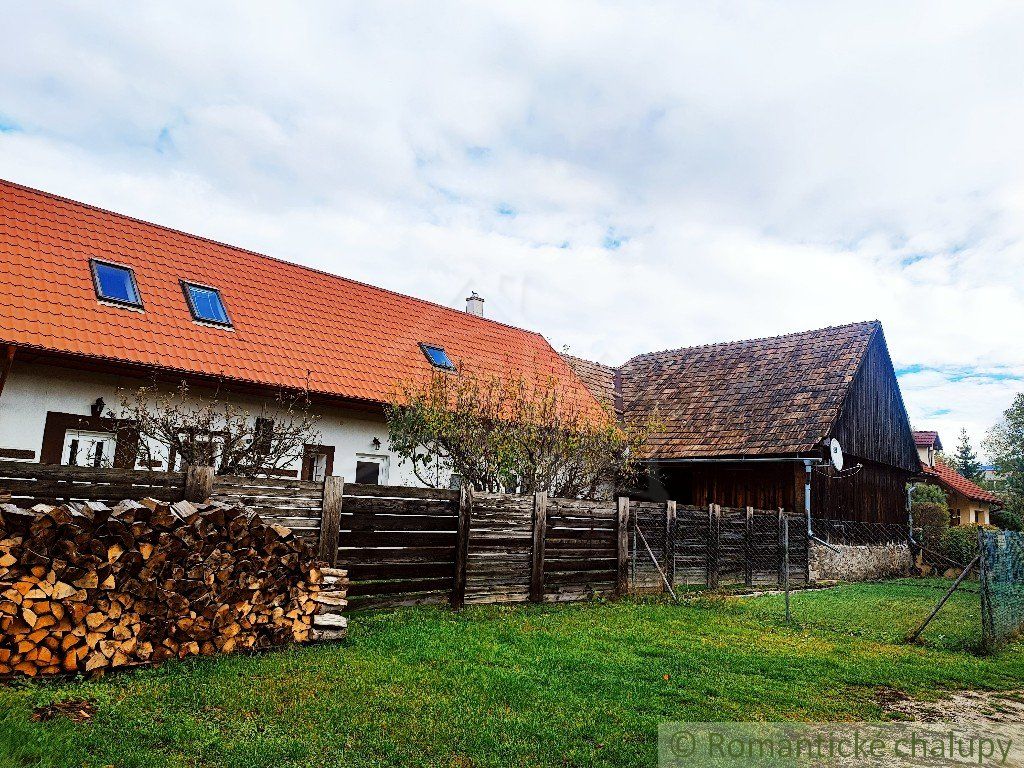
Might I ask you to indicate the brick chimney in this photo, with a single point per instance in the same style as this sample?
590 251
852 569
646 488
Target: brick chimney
475 304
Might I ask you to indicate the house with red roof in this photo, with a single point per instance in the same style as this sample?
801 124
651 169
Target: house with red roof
929 446
93 302
969 503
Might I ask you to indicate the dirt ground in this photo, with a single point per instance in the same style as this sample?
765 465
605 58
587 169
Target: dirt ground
962 708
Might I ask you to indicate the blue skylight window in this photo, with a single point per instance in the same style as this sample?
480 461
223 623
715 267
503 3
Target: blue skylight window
115 283
205 304
438 357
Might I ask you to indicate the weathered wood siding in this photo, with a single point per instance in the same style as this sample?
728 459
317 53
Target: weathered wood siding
31 484
763 485
875 494
872 423
580 555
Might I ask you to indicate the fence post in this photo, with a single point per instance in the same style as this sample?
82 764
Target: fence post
670 543
330 519
748 549
988 636
540 524
714 535
623 545
462 546
782 549
785 553
198 483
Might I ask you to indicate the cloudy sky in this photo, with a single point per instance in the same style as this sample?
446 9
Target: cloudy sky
621 177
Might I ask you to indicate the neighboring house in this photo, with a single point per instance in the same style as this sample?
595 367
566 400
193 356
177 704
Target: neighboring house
929 446
969 504
993 476
93 301
749 423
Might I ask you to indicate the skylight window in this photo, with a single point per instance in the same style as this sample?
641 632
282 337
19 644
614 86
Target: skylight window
205 304
438 357
115 283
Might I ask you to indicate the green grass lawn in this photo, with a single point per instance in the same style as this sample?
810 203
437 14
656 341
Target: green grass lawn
582 684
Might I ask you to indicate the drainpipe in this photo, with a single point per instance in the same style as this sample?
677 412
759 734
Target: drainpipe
910 514
807 495
808 468
5 365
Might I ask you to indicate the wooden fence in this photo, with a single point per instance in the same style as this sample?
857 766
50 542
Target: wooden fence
30 484
411 545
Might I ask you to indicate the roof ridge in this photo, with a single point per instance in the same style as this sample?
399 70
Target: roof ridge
875 323
258 254
588 361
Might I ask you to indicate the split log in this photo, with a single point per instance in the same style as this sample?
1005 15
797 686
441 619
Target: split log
90 588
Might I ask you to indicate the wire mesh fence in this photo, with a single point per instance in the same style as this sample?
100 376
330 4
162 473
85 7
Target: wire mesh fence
675 546
858 532
1001 578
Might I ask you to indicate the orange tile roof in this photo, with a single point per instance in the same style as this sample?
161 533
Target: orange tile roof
951 479
292 325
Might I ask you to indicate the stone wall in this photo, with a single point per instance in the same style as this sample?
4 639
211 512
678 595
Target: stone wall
847 562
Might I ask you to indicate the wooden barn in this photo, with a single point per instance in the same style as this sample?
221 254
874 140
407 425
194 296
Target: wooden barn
749 423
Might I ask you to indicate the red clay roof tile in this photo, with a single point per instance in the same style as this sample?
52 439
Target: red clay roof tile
293 326
951 479
927 439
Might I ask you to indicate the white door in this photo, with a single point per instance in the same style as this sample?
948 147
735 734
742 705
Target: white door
319 467
88 449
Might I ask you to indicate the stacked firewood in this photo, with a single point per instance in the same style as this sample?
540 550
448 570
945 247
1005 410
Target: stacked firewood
87 588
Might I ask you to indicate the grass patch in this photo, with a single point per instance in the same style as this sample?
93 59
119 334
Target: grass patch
582 684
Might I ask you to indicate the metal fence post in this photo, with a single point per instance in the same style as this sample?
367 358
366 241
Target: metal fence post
785 551
714 538
748 549
988 636
780 550
670 543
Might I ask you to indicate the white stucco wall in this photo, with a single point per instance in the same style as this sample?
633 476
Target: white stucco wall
33 390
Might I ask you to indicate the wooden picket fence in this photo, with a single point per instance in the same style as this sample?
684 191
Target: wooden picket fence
405 545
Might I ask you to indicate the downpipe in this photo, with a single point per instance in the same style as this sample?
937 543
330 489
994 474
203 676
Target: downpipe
808 469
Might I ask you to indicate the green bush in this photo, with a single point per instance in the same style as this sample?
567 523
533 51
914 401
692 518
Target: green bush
1007 520
925 493
933 520
960 542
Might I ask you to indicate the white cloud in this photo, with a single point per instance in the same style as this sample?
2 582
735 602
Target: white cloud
620 176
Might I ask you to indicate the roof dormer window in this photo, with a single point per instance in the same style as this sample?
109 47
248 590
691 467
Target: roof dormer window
205 304
115 283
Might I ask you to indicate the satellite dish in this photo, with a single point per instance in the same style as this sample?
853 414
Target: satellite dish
836 454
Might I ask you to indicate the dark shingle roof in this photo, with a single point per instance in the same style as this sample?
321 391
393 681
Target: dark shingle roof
770 396
599 378
762 397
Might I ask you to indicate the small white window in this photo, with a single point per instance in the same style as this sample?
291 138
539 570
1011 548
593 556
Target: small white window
88 449
372 469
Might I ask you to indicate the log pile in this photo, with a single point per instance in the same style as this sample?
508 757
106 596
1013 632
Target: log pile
86 588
